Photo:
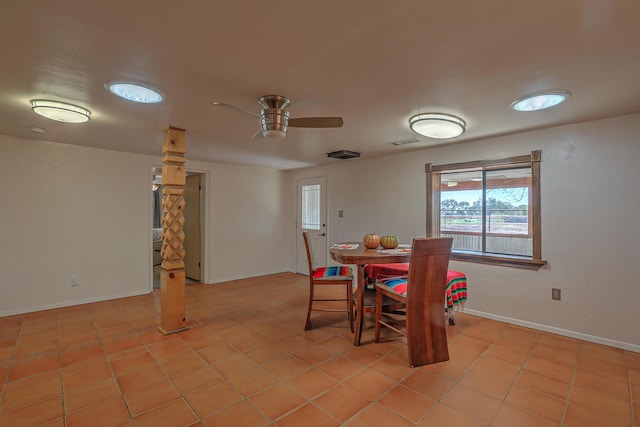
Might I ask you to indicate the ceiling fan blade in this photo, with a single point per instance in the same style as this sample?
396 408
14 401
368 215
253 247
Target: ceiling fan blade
258 135
316 122
234 108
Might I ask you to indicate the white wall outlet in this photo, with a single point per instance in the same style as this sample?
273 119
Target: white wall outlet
75 280
555 294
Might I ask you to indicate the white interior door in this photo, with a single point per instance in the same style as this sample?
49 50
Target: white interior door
192 241
312 217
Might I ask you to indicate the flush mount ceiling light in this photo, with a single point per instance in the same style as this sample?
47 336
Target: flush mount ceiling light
437 125
60 111
135 92
541 101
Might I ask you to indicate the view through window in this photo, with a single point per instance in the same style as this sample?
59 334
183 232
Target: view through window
487 211
491 209
311 207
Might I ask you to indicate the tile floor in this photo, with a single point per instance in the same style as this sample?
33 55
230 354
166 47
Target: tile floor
245 361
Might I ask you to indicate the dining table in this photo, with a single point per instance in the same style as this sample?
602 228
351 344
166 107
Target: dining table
355 253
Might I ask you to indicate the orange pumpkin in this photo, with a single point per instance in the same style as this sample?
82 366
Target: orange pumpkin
389 242
371 240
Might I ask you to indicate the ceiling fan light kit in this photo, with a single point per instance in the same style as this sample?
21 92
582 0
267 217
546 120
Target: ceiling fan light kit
437 125
60 111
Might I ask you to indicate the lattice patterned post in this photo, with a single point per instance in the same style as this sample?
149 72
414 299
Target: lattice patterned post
172 274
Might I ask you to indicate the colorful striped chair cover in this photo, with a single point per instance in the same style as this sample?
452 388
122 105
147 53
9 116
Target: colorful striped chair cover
455 291
331 271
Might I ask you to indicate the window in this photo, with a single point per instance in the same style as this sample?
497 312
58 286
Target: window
311 207
491 209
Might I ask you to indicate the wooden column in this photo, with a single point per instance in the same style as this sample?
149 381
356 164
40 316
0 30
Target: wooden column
172 274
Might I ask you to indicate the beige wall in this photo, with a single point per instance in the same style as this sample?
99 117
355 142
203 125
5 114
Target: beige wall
69 210
590 227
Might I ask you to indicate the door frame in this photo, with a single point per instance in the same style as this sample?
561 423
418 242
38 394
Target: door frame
300 250
204 223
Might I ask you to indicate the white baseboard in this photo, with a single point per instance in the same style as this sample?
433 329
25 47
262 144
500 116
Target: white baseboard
558 331
63 304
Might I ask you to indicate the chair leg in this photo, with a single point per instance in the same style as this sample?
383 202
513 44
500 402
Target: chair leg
350 305
307 324
378 314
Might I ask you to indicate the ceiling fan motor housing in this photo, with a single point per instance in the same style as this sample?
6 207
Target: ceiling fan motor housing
274 123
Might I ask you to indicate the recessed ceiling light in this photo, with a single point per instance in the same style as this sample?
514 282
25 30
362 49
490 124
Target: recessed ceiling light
437 125
60 111
135 92
541 101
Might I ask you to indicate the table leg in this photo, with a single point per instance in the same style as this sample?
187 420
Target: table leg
359 305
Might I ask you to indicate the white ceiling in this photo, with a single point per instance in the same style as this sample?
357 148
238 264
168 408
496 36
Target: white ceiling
373 62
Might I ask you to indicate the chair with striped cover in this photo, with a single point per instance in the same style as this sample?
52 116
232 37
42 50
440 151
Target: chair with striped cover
423 293
332 276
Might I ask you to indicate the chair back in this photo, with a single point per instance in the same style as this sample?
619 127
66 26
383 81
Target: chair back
308 248
426 284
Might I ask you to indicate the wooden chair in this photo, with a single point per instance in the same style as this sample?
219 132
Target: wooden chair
332 276
423 293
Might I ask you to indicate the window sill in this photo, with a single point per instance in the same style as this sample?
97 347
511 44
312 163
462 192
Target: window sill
502 260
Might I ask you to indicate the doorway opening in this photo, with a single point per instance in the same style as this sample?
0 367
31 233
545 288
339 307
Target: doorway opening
193 226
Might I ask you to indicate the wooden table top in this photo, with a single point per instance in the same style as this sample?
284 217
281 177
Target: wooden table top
361 255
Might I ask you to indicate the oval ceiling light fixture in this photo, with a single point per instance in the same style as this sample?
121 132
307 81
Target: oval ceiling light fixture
60 111
437 125
135 92
541 101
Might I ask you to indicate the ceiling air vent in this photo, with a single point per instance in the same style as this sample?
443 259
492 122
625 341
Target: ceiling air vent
343 154
404 141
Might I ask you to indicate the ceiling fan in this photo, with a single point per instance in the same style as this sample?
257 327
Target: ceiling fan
275 120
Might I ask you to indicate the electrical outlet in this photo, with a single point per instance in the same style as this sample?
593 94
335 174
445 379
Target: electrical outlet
555 294
340 213
75 280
